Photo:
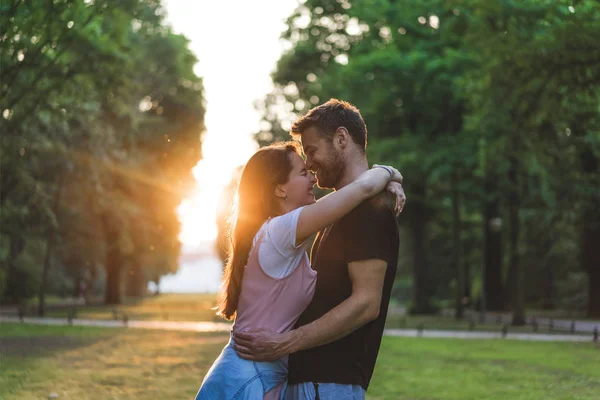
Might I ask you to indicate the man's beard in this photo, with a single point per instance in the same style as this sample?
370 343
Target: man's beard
331 171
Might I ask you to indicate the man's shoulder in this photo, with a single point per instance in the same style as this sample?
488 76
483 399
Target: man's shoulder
377 207
384 203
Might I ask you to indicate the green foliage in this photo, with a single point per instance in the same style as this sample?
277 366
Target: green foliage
101 126
499 100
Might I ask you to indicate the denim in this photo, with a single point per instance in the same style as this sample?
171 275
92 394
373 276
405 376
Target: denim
232 377
327 391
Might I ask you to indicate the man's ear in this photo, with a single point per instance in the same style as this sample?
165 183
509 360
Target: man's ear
341 137
279 192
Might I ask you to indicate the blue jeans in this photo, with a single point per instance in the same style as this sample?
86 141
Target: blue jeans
327 391
232 377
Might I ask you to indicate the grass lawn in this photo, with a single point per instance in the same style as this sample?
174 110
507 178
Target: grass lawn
97 363
103 363
427 369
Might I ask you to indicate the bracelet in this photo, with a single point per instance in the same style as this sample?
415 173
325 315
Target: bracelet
388 169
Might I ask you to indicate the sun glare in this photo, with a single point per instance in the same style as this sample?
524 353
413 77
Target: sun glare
197 213
235 70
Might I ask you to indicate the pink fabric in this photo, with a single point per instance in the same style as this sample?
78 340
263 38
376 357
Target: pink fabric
270 303
273 304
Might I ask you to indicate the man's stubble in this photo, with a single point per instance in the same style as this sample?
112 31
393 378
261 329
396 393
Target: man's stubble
332 171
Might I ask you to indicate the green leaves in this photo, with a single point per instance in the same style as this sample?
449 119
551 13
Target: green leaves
74 108
457 89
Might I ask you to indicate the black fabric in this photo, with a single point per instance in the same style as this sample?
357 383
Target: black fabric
370 231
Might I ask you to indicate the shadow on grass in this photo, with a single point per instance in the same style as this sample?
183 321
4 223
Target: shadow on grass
41 346
33 341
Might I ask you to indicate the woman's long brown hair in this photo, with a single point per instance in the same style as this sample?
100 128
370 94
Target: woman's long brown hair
267 168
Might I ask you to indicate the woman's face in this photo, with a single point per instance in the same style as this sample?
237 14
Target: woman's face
299 187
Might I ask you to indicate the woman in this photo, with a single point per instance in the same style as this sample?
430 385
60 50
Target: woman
268 281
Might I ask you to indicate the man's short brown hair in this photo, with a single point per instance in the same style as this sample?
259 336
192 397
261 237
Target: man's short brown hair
331 115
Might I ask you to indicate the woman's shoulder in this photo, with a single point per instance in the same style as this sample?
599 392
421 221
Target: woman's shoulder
284 221
261 231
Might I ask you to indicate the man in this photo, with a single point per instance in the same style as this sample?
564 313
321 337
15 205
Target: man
336 341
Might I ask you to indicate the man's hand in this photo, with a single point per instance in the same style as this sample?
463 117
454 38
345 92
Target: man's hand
396 189
260 345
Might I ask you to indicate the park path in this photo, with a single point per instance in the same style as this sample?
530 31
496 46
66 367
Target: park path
561 324
499 318
540 337
225 327
160 325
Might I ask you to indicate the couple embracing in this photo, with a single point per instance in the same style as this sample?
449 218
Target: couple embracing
309 328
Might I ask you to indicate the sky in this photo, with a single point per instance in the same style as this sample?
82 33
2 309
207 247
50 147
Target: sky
237 44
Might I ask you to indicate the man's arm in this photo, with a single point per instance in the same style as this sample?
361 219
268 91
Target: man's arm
360 308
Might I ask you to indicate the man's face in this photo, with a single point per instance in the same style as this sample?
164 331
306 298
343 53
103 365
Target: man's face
326 161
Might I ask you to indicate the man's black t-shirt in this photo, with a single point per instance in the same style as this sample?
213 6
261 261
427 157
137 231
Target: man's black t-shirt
370 231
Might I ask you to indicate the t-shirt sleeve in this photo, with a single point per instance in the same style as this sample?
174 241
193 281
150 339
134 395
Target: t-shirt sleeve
278 255
369 232
282 232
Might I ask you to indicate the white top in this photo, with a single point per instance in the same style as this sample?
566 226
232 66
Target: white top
278 255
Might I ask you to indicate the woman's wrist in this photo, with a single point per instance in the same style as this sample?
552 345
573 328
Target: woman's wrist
388 169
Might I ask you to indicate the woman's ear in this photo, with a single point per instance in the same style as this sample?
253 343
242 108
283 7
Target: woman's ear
280 192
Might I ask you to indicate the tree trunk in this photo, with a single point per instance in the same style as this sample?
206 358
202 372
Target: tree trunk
548 288
518 284
590 259
136 281
49 247
77 284
112 289
421 291
548 276
156 281
14 285
590 235
468 283
493 280
45 270
89 283
457 248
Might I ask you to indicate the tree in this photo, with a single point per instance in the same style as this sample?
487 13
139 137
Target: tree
502 89
106 93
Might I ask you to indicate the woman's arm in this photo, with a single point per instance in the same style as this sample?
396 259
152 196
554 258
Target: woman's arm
332 207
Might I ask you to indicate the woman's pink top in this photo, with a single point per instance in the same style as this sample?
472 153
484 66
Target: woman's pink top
273 304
